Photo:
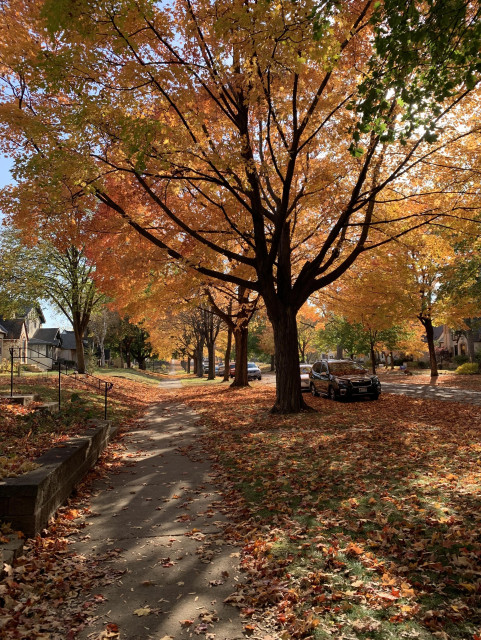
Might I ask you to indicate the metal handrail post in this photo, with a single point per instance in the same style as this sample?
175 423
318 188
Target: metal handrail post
105 411
59 383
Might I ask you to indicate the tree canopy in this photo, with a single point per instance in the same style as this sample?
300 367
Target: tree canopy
222 133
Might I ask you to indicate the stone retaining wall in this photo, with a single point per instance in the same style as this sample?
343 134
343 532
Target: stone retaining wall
29 500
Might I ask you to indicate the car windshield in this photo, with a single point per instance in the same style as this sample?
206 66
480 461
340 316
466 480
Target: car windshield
305 369
346 368
251 365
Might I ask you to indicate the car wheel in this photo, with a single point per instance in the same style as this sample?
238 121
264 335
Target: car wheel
375 396
332 393
259 378
313 390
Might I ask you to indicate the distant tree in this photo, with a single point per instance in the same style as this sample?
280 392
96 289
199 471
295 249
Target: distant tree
103 321
69 285
21 273
352 336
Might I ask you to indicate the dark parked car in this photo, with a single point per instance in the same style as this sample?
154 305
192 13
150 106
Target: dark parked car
253 371
343 379
232 369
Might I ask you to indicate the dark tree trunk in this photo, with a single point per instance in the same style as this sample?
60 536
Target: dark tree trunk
428 327
273 362
470 341
200 359
211 352
392 359
241 333
288 382
302 351
373 358
79 345
339 351
141 362
228 349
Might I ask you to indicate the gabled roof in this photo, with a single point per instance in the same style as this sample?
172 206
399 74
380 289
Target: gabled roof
23 313
13 328
46 336
3 330
438 332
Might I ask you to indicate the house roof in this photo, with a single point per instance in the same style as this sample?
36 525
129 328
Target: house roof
13 328
46 336
68 340
438 332
23 313
3 330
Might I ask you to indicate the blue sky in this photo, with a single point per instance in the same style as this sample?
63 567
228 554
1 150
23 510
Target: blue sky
52 318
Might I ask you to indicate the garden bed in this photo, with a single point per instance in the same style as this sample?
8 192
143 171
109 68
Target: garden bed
28 500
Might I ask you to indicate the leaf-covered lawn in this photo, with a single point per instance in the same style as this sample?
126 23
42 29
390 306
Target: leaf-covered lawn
26 434
360 521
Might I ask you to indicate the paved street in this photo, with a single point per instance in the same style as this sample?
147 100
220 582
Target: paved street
449 394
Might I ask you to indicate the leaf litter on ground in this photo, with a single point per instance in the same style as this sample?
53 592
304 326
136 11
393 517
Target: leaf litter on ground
361 520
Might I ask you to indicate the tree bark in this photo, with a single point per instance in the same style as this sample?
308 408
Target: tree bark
79 345
428 327
273 362
470 341
200 359
211 352
373 357
241 333
228 349
288 382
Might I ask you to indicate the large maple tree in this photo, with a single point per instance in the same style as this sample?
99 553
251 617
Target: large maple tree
221 132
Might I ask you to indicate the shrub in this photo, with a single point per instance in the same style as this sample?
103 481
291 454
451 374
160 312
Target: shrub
459 360
468 368
423 365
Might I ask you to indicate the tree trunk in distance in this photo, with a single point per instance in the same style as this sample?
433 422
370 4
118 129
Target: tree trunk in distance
241 333
470 341
373 358
339 351
228 349
211 351
80 350
428 326
200 359
288 382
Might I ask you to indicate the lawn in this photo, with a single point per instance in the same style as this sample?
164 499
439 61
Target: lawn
360 521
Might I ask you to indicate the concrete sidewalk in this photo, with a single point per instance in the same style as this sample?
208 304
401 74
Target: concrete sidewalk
158 517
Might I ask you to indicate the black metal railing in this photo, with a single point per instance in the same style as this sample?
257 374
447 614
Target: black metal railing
81 378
